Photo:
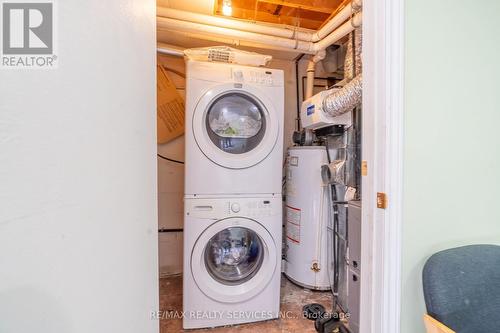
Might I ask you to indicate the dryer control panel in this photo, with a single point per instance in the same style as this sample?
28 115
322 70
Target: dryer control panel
222 72
233 207
266 78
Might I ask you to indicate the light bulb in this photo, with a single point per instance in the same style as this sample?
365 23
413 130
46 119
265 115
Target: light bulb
227 9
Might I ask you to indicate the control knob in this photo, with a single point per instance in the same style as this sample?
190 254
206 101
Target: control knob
235 207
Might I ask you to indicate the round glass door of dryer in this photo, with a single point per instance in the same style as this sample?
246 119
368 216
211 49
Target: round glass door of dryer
234 255
235 128
236 123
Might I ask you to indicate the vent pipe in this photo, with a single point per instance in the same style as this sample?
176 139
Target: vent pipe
344 100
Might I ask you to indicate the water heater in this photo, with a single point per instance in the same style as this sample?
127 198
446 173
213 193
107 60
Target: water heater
306 219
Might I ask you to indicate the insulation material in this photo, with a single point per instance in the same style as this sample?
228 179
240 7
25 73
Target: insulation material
347 98
353 63
170 109
228 55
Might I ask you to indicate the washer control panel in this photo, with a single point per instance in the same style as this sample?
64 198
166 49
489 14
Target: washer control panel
222 208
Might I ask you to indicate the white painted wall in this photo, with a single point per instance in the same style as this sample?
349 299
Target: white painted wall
171 185
78 209
451 136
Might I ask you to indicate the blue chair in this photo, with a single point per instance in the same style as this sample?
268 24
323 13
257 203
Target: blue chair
462 290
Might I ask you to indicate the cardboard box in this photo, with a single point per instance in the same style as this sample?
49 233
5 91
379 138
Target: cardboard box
170 109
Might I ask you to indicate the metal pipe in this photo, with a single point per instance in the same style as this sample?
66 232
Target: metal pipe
297 60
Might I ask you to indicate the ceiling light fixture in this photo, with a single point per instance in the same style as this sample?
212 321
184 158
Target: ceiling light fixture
227 9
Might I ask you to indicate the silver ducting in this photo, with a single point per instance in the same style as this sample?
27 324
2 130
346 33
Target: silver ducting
344 100
333 173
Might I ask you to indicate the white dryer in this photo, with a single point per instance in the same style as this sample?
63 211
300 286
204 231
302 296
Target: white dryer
234 129
232 260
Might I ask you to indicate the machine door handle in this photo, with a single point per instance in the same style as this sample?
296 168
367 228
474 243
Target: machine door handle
203 208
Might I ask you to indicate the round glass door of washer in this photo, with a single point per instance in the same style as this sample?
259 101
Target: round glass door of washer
234 255
234 259
236 123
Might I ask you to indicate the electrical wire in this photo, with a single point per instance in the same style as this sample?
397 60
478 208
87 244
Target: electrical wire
335 238
170 159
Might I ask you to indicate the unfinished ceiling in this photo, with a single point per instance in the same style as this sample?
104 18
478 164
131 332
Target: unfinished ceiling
310 14
196 6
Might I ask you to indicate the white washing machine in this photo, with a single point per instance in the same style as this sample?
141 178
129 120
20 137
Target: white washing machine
232 257
234 129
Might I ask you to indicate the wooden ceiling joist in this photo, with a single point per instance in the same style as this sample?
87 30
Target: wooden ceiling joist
299 6
310 14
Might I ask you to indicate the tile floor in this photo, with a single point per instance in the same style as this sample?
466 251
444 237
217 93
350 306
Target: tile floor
292 299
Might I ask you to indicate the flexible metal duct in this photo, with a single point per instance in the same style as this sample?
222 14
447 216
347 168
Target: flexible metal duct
344 100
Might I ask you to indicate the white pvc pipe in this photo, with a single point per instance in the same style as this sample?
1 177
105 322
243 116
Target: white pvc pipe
289 32
176 25
237 32
342 31
310 73
335 21
236 42
169 50
357 4
290 44
339 33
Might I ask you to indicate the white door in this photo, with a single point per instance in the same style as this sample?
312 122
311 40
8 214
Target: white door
235 127
78 209
233 260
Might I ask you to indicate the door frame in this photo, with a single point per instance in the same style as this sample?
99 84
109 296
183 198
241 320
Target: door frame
382 142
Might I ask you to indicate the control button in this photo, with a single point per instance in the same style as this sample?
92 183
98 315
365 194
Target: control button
235 207
238 75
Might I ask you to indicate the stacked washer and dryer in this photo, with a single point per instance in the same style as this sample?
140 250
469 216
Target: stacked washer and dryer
233 202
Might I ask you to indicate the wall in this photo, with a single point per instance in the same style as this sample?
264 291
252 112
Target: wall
171 185
451 136
78 211
171 175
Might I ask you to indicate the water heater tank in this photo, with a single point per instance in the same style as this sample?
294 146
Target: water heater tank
307 213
